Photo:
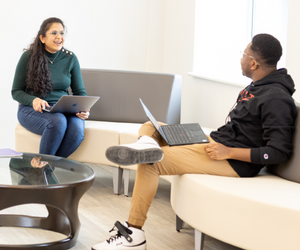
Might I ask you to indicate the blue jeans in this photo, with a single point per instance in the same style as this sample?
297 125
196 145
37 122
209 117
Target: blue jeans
61 133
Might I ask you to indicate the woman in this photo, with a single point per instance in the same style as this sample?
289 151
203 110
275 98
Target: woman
44 73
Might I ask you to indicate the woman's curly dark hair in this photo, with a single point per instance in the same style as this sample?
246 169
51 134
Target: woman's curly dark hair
38 77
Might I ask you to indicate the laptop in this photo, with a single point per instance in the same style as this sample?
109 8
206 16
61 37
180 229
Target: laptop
49 176
73 104
179 134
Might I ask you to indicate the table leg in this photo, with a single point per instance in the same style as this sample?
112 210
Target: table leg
62 204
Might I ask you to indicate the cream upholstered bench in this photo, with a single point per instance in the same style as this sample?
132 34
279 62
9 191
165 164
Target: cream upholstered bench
117 116
258 213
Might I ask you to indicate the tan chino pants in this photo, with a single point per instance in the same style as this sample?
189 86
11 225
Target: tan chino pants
188 159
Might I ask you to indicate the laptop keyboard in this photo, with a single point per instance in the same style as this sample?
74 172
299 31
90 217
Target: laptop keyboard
177 134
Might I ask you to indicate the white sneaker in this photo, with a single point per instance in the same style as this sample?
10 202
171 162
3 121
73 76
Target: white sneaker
126 238
145 150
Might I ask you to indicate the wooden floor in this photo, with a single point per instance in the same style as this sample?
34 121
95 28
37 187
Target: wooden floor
99 209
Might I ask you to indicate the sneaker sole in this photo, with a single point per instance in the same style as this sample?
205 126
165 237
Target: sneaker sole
139 247
128 156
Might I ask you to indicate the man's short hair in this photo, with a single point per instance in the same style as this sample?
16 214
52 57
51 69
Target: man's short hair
268 49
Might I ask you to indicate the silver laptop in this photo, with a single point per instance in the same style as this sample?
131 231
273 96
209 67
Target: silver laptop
73 104
179 134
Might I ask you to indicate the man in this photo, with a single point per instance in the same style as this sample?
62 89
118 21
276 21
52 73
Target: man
259 132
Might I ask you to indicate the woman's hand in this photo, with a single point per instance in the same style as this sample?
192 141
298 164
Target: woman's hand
39 104
83 115
37 163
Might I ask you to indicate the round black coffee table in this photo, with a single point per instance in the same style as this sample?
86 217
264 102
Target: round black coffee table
56 182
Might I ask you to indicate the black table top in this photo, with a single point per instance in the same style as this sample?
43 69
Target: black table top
42 170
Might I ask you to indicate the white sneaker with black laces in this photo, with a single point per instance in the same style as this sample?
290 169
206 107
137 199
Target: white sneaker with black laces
145 150
126 238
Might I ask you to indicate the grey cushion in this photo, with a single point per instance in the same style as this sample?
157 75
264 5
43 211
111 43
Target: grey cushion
291 169
120 91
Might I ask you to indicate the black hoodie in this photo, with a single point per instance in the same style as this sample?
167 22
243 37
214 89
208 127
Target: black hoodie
263 120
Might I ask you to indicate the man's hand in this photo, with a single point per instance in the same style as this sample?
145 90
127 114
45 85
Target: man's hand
217 151
39 104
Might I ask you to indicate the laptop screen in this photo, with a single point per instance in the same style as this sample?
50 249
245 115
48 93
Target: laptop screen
150 116
153 121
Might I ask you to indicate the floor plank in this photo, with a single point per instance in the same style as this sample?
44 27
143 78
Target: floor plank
99 208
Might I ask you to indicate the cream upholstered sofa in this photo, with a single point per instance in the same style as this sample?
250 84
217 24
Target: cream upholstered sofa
258 213
117 116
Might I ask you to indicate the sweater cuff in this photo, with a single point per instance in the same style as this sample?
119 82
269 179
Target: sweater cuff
255 156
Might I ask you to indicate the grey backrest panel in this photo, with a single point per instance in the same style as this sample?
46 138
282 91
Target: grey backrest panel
291 169
120 91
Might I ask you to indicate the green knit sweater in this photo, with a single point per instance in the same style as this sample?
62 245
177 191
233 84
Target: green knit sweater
65 73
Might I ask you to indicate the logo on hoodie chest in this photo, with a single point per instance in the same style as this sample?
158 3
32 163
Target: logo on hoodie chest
245 96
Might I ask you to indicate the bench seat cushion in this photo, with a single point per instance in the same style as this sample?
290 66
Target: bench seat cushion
240 211
98 136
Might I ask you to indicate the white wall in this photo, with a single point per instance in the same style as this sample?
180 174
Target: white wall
138 35
293 48
110 34
204 101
